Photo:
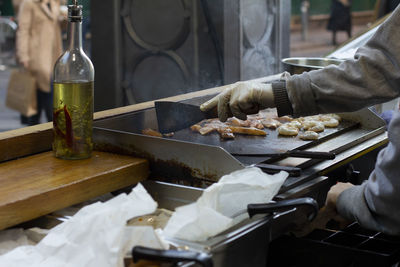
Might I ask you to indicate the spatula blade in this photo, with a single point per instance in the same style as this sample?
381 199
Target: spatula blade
175 116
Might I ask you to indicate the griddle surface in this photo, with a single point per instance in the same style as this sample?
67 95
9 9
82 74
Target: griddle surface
270 144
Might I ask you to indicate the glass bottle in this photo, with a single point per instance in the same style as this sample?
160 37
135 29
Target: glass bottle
73 94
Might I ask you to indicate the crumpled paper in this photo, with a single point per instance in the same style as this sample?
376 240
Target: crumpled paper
95 236
216 208
13 238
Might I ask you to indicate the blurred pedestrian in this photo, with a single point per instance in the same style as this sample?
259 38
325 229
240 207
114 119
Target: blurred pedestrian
384 7
340 18
16 4
39 45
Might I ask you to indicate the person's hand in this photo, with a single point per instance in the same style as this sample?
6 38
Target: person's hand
241 99
334 193
25 64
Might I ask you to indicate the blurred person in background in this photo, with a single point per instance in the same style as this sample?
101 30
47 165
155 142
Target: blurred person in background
16 4
340 18
384 7
39 45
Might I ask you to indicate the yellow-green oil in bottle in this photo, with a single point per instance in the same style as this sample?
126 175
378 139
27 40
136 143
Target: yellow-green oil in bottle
73 120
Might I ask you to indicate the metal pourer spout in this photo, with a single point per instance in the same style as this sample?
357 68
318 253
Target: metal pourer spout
75 12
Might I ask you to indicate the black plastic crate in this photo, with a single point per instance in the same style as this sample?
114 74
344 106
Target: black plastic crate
353 246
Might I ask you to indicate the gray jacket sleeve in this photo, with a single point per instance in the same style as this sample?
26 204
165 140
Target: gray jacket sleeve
376 203
372 77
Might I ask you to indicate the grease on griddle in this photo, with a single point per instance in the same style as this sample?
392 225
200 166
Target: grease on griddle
164 170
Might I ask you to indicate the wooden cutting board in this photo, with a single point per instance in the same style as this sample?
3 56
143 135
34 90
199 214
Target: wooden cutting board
37 185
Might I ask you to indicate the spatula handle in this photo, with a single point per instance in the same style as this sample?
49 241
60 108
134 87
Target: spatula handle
171 256
271 169
282 205
311 154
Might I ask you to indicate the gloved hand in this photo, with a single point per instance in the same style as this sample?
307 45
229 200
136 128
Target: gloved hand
334 193
241 99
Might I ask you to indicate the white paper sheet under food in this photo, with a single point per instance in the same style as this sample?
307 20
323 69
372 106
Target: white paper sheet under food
212 212
96 236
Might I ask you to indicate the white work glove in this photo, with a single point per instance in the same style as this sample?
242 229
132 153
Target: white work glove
241 99
334 192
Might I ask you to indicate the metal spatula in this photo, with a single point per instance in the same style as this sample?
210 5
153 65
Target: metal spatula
175 116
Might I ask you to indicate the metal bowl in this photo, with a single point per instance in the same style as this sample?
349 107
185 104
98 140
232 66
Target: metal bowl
298 65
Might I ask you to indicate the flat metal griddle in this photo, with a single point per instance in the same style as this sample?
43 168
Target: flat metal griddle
210 162
270 144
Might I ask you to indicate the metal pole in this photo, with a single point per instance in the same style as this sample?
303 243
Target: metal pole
305 5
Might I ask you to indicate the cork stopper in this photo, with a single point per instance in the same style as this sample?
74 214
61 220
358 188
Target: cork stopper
75 12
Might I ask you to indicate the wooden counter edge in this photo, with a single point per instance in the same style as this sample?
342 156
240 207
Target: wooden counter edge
72 193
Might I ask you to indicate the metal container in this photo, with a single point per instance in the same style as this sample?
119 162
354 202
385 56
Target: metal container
298 65
245 244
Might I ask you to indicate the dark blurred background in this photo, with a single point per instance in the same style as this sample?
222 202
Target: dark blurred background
149 49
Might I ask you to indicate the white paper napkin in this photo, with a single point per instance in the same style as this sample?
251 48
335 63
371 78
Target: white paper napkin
96 236
212 212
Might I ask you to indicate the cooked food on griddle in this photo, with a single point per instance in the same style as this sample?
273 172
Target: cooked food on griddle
288 130
309 135
271 123
169 134
314 126
294 124
330 121
226 129
284 119
309 126
151 132
226 133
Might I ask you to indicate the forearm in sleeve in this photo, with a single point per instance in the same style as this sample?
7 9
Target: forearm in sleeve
351 204
376 203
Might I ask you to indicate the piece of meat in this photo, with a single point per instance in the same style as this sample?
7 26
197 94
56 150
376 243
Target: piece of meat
151 132
195 128
329 121
335 116
295 124
332 123
283 119
309 135
226 133
271 123
251 121
315 126
288 130
207 129
237 122
247 130
226 130
171 134
256 124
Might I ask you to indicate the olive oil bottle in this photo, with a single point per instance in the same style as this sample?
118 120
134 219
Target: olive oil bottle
73 95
